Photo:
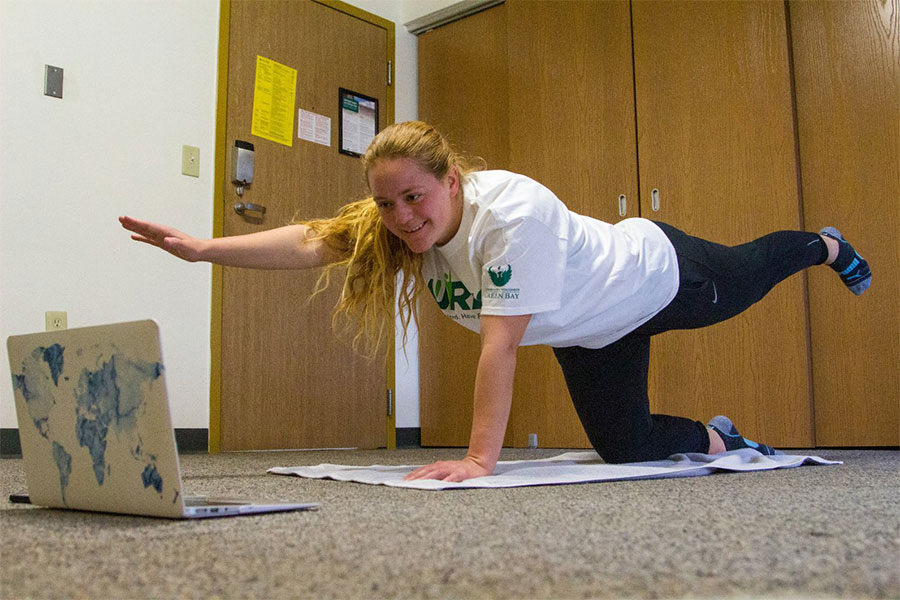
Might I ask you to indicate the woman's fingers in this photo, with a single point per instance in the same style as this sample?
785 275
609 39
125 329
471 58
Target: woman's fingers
162 236
147 231
448 470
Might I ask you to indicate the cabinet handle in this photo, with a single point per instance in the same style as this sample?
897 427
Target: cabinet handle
623 206
654 199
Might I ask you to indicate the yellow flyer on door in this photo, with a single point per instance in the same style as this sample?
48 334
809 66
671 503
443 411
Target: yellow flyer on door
274 94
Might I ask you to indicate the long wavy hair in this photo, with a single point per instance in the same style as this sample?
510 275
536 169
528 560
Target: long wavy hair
373 256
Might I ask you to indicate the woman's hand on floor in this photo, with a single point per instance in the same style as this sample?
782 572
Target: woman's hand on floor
450 470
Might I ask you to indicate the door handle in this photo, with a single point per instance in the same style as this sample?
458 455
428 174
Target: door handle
242 207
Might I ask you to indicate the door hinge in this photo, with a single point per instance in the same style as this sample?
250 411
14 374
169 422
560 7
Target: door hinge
390 72
390 403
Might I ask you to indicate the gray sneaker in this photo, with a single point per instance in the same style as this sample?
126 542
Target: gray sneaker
852 268
734 440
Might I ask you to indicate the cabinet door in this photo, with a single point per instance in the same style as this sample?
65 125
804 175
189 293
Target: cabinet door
716 140
847 73
544 89
462 92
571 127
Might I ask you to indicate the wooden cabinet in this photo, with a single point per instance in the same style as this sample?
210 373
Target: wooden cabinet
716 151
527 67
571 124
689 103
463 91
847 73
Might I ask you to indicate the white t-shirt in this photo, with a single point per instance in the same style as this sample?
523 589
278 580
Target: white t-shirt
520 251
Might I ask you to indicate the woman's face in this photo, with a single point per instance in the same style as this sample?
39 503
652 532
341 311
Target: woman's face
414 205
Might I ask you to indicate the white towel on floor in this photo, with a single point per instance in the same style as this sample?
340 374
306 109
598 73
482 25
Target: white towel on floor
571 467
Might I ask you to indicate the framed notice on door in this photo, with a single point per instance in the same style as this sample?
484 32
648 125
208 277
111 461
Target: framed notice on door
358 122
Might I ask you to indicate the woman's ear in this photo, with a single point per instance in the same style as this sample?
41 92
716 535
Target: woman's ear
453 180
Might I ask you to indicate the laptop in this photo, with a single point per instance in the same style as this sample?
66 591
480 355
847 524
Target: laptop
95 427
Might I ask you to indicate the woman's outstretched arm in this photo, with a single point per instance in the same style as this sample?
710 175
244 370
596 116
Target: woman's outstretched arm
288 247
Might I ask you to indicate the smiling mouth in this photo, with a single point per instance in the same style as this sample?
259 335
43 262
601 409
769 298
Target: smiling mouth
415 229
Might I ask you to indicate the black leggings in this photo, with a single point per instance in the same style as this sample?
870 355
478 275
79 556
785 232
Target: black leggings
609 385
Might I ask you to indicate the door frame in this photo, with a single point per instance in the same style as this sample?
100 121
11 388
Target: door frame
219 171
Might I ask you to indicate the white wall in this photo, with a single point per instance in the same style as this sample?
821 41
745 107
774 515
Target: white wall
140 81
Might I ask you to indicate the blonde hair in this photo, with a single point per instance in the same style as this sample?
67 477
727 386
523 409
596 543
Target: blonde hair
371 254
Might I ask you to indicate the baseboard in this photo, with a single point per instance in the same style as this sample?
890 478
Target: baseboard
192 440
409 437
189 441
9 443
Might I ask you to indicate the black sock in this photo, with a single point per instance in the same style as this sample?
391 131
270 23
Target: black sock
845 256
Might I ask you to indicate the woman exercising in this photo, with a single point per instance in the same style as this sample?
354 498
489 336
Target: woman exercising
504 257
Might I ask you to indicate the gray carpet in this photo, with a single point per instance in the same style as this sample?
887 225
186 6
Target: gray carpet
810 532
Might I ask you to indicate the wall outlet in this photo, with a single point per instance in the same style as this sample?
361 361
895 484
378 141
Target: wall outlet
55 320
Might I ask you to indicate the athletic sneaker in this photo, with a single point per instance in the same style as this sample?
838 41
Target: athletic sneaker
853 268
734 440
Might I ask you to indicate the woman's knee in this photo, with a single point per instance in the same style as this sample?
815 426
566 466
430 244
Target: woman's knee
627 453
667 435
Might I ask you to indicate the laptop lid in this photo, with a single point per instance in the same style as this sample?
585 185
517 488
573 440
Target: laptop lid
94 422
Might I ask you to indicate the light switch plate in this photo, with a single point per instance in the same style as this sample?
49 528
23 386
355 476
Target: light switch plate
53 81
190 161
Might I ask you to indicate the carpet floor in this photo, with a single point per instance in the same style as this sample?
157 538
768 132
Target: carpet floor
809 532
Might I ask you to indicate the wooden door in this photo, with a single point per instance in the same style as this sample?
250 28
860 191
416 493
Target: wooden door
286 380
504 84
716 139
463 93
571 127
847 73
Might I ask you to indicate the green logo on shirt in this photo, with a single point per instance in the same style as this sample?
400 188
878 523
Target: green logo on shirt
500 274
453 295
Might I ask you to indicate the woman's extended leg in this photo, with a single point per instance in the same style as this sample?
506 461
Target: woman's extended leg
609 385
718 282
